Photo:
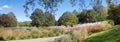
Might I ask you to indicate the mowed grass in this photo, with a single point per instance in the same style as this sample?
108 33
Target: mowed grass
110 35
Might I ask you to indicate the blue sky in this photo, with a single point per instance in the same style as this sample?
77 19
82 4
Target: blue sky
16 6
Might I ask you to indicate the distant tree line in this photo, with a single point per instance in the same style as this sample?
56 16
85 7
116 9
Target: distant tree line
97 13
8 20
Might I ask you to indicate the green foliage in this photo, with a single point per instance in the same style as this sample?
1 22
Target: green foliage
13 20
1 38
20 34
48 5
114 14
73 36
37 18
102 12
64 39
52 5
42 19
87 16
49 19
10 38
25 23
111 22
35 34
27 36
76 13
8 20
98 13
110 35
68 19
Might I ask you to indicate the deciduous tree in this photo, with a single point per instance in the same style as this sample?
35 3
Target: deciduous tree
68 19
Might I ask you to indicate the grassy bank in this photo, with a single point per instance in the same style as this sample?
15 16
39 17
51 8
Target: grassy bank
110 35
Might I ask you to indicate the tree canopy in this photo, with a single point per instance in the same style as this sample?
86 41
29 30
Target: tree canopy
51 5
8 20
114 13
40 18
68 19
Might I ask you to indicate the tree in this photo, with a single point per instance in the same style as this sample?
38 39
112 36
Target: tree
76 13
37 18
102 12
51 5
12 19
8 20
49 19
87 16
114 13
4 20
98 13
68 19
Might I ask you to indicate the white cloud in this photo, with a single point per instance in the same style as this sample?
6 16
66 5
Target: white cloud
4 7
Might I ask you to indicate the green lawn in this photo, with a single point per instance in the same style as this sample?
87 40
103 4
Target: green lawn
110 35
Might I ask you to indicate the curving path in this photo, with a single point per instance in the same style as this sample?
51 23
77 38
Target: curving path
36 40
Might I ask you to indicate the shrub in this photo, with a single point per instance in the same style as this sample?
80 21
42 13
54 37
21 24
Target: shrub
73 36
50 34
44 34
27 36
111 22
58 32
79 35
20 33
35 33
1 38
10 38
64 39
28 29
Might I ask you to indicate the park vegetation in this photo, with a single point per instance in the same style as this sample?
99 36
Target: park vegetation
41 20
8 20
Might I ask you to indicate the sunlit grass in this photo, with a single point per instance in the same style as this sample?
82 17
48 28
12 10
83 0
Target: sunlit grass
110 35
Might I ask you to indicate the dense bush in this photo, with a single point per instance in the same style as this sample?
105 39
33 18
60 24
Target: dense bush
111 22
10 38
27 36
35 33
73 36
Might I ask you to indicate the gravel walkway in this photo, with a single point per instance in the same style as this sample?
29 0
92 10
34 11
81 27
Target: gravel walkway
36 40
